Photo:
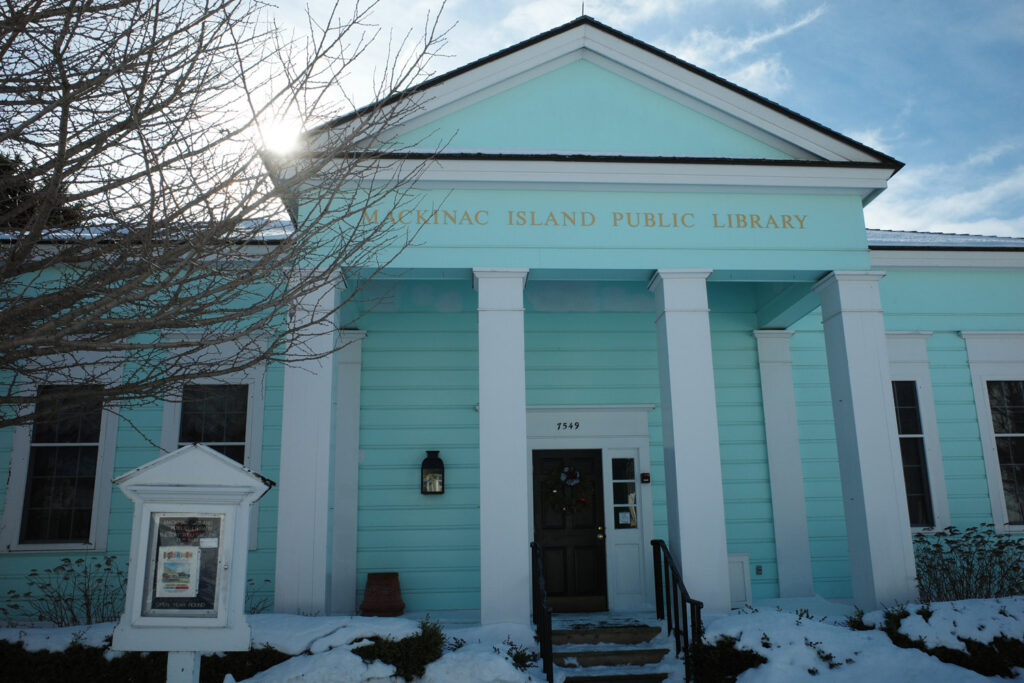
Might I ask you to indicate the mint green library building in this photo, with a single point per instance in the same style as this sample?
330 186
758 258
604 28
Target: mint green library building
642 304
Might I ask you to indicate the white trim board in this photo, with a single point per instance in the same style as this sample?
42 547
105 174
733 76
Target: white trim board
642 175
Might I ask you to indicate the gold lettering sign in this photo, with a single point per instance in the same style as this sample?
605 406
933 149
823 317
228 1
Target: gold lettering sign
577 218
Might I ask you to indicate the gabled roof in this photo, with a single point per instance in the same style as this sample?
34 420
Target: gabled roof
825 146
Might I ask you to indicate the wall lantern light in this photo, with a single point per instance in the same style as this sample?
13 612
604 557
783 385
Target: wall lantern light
432 474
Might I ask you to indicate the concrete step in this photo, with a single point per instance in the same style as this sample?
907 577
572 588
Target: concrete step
618 678
633 657
624 635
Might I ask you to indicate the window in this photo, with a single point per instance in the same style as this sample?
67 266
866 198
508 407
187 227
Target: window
1006 403
61 467
918 431
227 416
624 492
997 375
215 415
912 449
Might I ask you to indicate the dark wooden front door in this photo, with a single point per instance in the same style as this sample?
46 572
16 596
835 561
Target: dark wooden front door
568 523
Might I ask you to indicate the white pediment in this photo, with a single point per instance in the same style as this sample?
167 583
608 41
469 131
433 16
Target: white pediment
546 95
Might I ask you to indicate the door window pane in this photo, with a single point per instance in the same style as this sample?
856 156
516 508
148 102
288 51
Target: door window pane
624 493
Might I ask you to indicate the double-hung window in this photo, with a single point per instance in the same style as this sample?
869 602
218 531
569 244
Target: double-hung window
215 415
997 375
225 415
61 468
59 484
1006 403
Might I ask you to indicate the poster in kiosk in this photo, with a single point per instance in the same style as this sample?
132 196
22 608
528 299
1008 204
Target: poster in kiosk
187 568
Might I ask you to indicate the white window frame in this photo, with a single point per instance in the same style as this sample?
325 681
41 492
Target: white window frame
253 378
994 357
14 500
908 362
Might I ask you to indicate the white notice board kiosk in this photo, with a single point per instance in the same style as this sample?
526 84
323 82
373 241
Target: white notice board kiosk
187 568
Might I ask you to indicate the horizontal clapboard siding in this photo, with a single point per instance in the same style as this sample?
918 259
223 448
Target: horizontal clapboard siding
945 303
419 391
747 489
826 518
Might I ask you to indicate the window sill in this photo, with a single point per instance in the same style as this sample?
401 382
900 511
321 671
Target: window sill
51 548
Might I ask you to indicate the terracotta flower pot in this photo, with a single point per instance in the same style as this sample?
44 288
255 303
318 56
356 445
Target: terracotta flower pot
383 596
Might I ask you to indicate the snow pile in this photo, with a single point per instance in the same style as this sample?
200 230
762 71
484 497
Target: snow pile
808 648
475 662
980 620
293 634
334 666
59 639
330 641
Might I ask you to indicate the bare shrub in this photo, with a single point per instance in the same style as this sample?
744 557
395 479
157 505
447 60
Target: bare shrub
976 562
81 591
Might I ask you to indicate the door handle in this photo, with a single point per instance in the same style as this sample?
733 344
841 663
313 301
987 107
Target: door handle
600 536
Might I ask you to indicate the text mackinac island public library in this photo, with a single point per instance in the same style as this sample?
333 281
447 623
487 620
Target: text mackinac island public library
586 219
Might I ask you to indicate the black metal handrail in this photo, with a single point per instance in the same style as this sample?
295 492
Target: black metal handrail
542 613
680 611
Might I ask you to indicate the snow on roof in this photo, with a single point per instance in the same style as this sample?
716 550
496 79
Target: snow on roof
909 239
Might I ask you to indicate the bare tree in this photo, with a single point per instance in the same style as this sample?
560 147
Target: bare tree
143 242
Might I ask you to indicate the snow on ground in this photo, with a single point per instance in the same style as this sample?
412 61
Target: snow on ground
980 620
330 641
58 639
800 648
800 638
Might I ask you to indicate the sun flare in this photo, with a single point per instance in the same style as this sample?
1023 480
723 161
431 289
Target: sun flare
281 136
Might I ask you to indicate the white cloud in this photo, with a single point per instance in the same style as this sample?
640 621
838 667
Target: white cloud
873 138
943 198
767 77
990 154
707 48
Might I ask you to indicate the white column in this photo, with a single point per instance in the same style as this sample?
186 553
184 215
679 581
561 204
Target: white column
870 465
789 512
504 482
345 519
693 468
300 584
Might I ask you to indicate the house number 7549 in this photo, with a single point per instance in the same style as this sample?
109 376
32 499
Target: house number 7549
573 426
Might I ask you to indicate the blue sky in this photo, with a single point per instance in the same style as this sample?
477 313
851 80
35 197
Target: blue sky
938 84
